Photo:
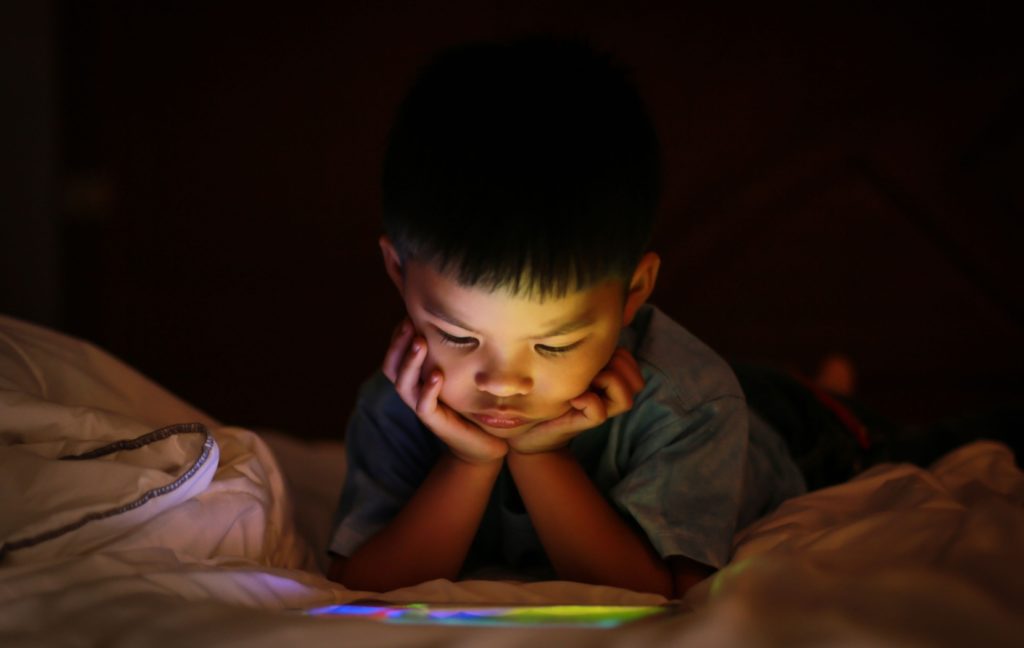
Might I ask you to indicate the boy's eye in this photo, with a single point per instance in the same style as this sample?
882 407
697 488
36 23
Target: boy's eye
547 350
456 341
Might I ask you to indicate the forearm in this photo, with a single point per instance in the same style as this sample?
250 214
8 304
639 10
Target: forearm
430 536
584 537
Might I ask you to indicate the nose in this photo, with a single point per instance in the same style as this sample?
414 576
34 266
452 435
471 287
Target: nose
502 379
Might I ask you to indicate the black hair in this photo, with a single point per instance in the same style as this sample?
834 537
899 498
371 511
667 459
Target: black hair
530 165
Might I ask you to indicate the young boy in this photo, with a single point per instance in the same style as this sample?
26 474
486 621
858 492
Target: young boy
533 413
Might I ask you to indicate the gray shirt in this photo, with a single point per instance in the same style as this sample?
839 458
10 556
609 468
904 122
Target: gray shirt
688 465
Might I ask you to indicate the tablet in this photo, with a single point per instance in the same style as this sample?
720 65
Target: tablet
546 616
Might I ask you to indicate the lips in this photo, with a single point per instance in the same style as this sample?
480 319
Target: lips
503 420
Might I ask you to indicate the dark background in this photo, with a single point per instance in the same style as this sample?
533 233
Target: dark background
194 186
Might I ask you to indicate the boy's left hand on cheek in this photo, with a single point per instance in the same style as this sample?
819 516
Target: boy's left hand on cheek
611 393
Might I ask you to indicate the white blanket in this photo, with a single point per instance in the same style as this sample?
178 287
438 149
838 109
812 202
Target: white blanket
187 537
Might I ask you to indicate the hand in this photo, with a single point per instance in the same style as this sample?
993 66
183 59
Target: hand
403 365
611 393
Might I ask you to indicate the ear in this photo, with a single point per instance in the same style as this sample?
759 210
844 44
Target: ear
641 285
392 263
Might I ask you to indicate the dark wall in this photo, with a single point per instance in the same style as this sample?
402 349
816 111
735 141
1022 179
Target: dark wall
29 228
840 179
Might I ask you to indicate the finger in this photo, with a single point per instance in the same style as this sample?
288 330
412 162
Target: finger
618 393
429 407
397 350
591 407
464 439
587 411
627 366
431 391
397 331
408 381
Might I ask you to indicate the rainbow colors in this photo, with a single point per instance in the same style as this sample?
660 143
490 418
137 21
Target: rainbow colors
572 616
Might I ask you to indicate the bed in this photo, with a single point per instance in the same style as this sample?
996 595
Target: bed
131 518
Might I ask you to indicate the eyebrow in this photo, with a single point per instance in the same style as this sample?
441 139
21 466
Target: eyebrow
440 314
564 328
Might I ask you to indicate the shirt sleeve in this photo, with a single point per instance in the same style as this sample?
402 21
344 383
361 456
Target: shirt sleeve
684 477
389 453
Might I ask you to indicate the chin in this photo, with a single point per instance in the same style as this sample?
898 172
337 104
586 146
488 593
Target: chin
506 433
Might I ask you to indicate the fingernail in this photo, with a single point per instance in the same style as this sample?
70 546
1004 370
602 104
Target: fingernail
434 378
415 347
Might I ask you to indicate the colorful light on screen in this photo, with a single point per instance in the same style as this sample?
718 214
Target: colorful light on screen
576 616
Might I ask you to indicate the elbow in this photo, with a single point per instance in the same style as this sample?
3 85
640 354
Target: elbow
664 588
348 575
685 574
335 571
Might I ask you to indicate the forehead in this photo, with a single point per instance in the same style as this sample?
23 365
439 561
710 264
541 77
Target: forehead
530 315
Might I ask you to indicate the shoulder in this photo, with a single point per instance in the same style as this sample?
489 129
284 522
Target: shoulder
379 400
377 394
683 445
691 402
380 419
685 371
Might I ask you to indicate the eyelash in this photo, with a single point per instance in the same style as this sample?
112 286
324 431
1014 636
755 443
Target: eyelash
451 340
552 352
464 342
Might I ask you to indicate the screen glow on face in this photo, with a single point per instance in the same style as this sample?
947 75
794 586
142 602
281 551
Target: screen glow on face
549 616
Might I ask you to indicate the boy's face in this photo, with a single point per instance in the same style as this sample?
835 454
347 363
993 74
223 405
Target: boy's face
511 362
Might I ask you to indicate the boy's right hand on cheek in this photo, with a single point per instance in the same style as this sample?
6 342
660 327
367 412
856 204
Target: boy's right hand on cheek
403 364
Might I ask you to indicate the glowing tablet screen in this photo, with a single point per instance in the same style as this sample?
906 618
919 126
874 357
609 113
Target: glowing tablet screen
548 616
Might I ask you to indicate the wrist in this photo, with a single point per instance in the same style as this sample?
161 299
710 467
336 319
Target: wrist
476 464
531 456
528 451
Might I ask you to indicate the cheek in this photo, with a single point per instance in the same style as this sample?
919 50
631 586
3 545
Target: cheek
429 364
459 390
569 382
574 376
450 367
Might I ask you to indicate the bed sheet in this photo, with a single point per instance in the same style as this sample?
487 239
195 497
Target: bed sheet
898 556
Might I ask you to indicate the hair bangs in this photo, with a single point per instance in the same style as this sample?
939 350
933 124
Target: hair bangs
520 256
